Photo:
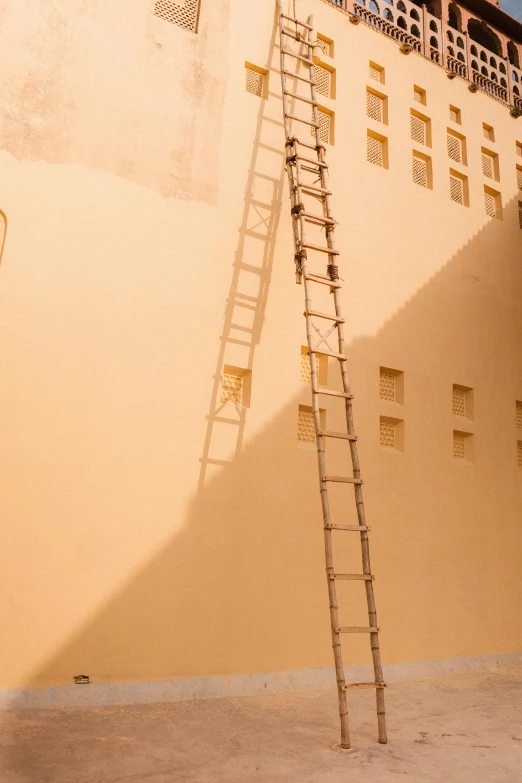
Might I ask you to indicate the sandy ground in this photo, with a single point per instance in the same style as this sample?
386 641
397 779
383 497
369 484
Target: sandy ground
451 730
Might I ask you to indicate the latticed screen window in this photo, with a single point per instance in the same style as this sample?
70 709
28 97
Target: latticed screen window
418 129
487 165
519 415
375 151
418 95
324 46
519 453
387 434
325 126
375 73
520 214
322 79
254 82
455 148
305 425
374 106
490 203
519 150
420 171
232 387
459 402
459 445
184 13
305 373
454 114
456 189
519 177
387 390
488 132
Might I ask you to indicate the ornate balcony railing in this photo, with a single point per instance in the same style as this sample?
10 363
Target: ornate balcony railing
451 49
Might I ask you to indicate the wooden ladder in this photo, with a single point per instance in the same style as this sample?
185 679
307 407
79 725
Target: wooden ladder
308 181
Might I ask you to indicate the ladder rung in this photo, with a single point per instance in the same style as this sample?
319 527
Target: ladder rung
315 171
300 119
297 56
328 317
304 144
318 190
333 355
297 76
351 528
354 685
342 479
309 160
332 393
353 577
320 249
318 218
296 21
356 629
297 37
341 435
323 281
301 98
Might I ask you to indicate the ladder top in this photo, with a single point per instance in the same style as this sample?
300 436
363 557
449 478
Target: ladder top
296 21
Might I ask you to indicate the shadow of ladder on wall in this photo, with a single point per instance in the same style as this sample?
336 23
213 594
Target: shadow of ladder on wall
304 159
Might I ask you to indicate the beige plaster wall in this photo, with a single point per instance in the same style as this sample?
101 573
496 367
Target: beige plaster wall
146 198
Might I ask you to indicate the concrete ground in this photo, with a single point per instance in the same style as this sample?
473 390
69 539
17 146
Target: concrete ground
458 729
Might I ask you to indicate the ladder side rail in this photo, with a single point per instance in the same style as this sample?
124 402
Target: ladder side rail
327 532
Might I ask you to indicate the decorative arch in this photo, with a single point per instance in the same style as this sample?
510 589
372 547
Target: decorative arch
484 71
514 76
451 51
402 7
483 57
516 90
474 65
372 5
461 57
474 50
454 16
401 22
493 76
450 36
513 56
502 68
503 82
433 26
434 43
460 43
415 31
485 36
493 62
388 14
415 15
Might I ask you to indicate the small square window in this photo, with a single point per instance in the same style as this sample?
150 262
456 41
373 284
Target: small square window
325 44
462 401
493 203
377 149
455 115
255 80
459 192
456 147
421 170
463 446
376 72
488 132
376 106
519 177
419 95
